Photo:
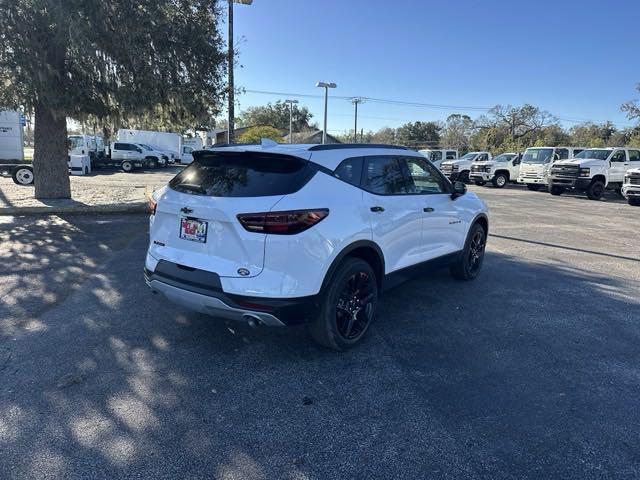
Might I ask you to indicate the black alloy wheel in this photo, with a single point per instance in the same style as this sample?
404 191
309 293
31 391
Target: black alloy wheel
348 307
354 308
468 265
476 251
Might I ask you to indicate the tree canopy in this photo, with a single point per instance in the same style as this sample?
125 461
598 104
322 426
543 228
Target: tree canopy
277 116
117 60
418 134
255 134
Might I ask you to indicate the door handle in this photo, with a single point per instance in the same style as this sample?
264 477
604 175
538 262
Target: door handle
428 209
377 209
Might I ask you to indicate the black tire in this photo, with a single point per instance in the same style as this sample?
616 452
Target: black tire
633 201
533 187
480 183
500 180
468 266
348 307
556 190
152 163
619 192
22 176
595 190
127 166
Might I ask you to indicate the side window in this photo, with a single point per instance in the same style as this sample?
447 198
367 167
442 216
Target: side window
118 146
350 171
187 149
576 151
383 176
423 178
482 158
563 153
619 156
436 156
451 155
634 155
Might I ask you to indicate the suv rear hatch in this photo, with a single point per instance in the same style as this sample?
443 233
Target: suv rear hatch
196 224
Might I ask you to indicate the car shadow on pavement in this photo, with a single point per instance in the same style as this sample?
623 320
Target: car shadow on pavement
530 371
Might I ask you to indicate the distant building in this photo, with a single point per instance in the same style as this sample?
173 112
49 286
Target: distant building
312 136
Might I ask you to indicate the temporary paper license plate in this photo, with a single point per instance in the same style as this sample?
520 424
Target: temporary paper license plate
194 230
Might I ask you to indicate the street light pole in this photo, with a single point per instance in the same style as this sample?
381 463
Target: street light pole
230 92
356 101
326 86
291 102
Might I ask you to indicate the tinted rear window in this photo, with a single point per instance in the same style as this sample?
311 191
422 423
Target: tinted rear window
238 174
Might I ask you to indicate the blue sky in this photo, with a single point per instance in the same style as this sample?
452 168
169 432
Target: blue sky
577 59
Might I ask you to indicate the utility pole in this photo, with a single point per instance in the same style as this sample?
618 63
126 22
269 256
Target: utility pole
356 101
230 92
290 102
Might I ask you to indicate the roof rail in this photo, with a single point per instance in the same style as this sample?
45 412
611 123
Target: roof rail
341 146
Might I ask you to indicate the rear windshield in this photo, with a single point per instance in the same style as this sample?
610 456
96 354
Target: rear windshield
241 174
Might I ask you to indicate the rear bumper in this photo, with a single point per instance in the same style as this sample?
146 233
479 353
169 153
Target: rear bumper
212 300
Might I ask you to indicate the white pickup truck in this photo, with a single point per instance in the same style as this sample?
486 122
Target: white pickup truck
593 171
131 155
499 171
537 161
631 186
459 169
436 157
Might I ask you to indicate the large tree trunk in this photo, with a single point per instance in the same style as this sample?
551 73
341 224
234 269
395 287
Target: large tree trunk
50 171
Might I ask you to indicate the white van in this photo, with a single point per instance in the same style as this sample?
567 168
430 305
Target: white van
536 164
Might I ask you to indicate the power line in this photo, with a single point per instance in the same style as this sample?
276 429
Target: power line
421 105
375 100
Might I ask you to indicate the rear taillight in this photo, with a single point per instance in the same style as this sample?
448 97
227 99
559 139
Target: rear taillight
152 206
282 223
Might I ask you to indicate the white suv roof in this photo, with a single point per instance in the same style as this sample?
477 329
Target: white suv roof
327 155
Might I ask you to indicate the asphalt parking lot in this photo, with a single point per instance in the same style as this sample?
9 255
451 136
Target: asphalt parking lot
532 371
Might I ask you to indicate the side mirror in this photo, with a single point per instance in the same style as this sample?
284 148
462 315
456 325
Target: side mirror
459 189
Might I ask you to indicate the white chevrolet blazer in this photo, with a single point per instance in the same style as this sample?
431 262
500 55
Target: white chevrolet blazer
289 234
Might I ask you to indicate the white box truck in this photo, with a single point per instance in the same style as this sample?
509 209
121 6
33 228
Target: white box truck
11 136
12 163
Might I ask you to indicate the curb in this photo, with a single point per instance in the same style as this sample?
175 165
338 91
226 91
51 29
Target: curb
138 207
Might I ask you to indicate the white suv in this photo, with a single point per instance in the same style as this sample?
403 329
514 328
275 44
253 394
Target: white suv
290 234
